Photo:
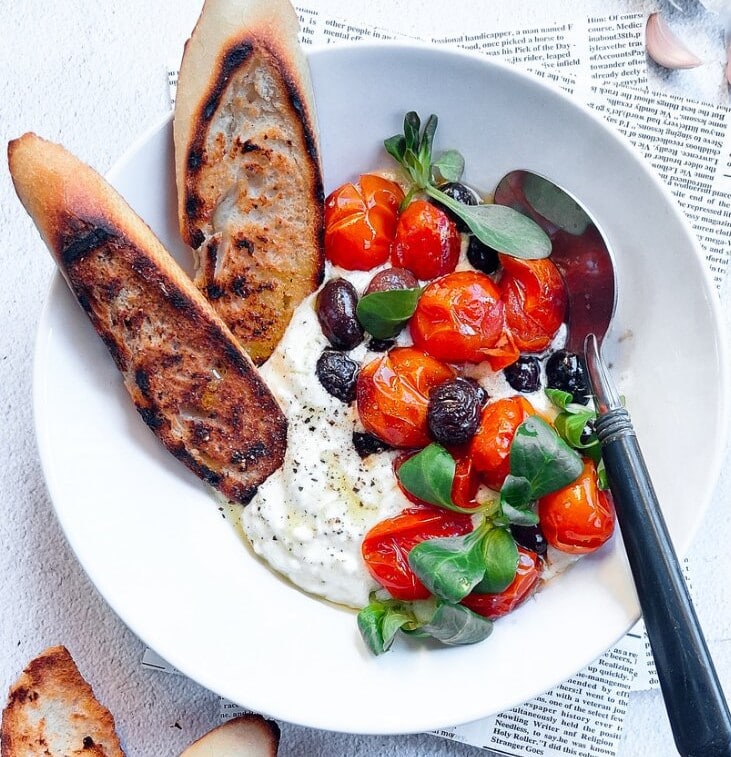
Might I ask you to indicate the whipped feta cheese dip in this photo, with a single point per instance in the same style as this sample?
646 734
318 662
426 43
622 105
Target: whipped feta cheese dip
308 520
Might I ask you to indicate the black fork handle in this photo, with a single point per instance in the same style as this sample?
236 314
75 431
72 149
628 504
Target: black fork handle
697 709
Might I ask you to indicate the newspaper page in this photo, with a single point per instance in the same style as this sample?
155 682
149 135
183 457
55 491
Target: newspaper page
601 61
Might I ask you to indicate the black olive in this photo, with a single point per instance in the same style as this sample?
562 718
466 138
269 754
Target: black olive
380 345
392 278
463 194
366 444
588 435
530 537
482 257
524 375
338 374
566 371
454 410
336 304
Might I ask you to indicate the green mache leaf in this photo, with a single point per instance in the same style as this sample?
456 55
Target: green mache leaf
412 124
455 625
393 621
379 622
449 566
370 625
538 454
449 165
602 479
570 426
555 205
427 139
559 398
525 515
429 475
500 554
500 227
516 491
384 314
396 146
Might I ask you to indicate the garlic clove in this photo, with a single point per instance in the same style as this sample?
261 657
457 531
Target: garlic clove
665 48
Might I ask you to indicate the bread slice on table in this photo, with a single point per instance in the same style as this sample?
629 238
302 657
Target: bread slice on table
244 736
250 196
190 380
52 710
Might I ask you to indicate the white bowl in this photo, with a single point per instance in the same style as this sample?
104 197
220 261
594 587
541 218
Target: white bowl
155 544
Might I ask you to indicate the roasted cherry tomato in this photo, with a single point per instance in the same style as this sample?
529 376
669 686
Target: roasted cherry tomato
580 517
427 241
535 301
460 318
494 606
360 222
466 479
393 395
387 545
490 446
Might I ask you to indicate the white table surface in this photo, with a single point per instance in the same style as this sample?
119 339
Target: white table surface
90 74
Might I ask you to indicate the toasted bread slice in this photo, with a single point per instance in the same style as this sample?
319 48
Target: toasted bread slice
190 380
52 711
250 197
244 736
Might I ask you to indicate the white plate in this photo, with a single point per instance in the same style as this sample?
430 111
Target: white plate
152 539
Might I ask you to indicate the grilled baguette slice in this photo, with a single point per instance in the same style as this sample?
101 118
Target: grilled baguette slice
190 380
250 197
52 710
244 736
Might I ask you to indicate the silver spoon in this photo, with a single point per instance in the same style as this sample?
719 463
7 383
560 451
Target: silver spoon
698 712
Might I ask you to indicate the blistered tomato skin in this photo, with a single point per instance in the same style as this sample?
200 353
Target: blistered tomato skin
387 545
460 319
360 222
535 301
526 579
580 517
490 446
393 395
427 241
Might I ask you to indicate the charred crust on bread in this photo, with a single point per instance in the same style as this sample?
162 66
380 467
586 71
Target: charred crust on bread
75 244
151 417
233 59
242 243
193 205
214 291
142 379
197 237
